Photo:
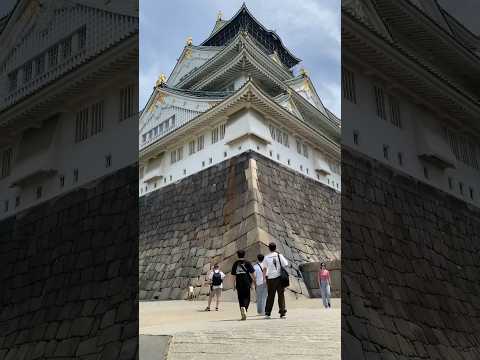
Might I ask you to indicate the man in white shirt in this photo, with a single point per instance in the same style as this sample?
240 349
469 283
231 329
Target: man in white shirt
272 264
215 278
261 285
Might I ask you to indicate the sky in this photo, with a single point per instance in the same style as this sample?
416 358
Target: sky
310 29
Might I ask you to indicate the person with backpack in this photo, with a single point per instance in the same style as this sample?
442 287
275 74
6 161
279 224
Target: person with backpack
215 278
243 271
261 285
324 284
277 279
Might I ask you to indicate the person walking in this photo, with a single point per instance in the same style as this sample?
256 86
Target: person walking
324 283
215 278
243 272
261 285
272 265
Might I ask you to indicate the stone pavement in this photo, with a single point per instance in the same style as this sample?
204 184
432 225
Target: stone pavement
309 332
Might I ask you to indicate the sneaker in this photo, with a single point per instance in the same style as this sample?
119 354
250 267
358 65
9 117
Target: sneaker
267 317
216 309
207 309
243 313
283 316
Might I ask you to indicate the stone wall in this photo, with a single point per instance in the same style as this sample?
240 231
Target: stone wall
243 203
411 268
69 275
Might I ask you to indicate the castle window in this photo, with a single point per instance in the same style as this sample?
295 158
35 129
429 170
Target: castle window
81 125
53 56
210 160
61 180
305 150
75 175
12 80
271 153
96 118
395 118
27 72
144 137
288 161
356 137
471 193
5 206
450 183
214 135
299 146
191 147
184 171
180 153
279 136
17 201
222 131
127 105
385 152
200 142
425 172
460 187
40 65
173 157
272 131
465 149
380 102
400 159
108 160
7 155
278 156
348 85
67 48
39 192
82 38
285 139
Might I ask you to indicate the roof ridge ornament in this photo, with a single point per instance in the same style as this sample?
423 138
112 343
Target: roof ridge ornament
162 80
189 41
303 72
219 15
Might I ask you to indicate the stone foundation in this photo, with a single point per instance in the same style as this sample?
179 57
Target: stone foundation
242 203
411 268
69 275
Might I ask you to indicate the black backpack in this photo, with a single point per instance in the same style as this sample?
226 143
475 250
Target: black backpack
217 279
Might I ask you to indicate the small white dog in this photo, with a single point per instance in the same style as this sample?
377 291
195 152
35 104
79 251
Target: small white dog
191 293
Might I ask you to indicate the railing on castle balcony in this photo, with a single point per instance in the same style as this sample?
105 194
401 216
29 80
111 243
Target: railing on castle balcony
90 36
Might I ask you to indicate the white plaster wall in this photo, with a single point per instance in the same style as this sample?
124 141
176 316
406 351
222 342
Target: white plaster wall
374 132
88 156
221 151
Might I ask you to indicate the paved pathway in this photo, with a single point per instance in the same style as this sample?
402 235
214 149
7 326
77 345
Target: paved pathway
309 332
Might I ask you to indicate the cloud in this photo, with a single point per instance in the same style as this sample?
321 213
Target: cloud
310 29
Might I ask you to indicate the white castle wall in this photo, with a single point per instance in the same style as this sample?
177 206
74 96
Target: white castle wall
374 132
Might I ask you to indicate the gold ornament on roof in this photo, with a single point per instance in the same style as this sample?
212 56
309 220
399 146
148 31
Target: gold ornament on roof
162 80
219 15
189 41
188 53
303 72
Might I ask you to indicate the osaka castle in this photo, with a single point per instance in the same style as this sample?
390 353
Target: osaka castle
239 90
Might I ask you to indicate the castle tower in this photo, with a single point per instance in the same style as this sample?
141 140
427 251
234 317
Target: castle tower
236 150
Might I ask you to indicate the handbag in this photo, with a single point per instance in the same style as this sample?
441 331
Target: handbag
284 277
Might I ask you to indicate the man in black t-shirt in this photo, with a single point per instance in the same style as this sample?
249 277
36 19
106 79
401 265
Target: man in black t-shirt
244 278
